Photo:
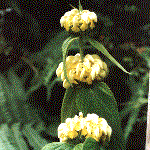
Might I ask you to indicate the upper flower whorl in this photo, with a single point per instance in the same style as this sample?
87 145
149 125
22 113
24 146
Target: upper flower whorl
78 20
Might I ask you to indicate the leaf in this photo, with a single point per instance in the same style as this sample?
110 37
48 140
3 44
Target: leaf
78 147
16 85
4 113
12 138
145 53
16 98
91 144
57 146
135 103
50 86
12 106
33 137
102 49
100 100
17 134
65 47
69 109
49 71
80 7
132 120
5 144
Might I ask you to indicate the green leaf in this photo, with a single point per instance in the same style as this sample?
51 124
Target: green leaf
102 49
12 138
16 98
17 134
33 137
65 48
91 144
78 147
135 103
100 100
80 7
57 146
5 143
50 86
13 106
10 95
49 71
4 113
132 120
69 108
145 53
17 87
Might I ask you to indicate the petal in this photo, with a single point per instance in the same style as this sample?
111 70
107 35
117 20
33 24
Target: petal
93 73
84 26
74 12
82 74
66 85
102 73
92 24
62 76
93 16
109 131
90 58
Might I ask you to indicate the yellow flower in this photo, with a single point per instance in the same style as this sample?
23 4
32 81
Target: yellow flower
92 68
90 126
77 20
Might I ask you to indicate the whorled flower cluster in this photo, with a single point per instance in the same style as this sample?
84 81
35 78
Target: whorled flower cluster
90 126
90 69
78 20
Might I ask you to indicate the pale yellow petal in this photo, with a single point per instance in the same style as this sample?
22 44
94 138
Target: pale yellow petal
66 85
102 73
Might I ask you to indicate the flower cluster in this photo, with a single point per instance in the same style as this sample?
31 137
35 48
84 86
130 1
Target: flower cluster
90 126
90 69
78 20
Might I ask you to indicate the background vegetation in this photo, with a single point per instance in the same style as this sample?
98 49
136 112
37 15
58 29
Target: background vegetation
30 51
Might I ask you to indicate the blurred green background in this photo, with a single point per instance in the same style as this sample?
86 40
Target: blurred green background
30 51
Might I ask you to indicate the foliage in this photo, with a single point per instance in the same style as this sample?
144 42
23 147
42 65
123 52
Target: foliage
96 99
21 122
89 143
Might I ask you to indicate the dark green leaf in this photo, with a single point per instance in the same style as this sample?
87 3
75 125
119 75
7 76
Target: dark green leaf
145 53
17 88
4 113
50 86
102 49
99 99
132 120
5 143
69 109
49 71
135 103
91 144
10 95
57 146
17 134
78 147
33 137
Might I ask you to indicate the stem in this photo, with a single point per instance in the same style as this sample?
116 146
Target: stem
81 48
